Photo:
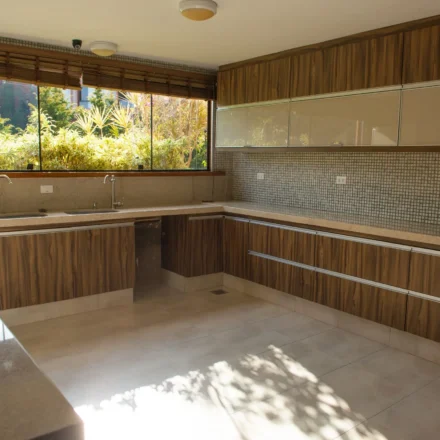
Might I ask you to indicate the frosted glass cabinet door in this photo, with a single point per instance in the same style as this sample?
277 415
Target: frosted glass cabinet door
231 128
268 125
369 119
420 123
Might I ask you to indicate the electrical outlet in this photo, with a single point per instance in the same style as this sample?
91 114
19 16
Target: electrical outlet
46 189
341 180
260 176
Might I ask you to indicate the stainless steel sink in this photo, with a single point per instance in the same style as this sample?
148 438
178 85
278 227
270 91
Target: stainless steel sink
23 215
90 211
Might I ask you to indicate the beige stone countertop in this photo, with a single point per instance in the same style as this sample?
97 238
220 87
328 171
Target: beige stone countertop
387 229
424 235
30 404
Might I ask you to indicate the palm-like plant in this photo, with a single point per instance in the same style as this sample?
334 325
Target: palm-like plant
85 122
122 117
100 117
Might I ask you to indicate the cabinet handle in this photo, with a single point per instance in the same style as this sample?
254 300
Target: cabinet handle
286 227
55 230
237 219
205 217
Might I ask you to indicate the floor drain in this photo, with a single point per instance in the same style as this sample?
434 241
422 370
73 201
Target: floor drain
219 291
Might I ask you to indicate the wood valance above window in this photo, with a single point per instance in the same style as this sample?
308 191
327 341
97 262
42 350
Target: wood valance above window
71 71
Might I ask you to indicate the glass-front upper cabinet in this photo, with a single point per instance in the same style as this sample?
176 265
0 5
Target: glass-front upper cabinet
268 125
369 119
232 127
420 122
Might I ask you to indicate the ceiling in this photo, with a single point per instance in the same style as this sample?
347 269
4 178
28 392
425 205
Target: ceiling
241 29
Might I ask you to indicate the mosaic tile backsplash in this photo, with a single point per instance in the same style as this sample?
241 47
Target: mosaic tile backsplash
398 186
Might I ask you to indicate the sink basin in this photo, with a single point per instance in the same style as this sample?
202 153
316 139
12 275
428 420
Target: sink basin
90 211
23 215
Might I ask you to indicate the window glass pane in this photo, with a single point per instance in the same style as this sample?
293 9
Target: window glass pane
94 129
19 143
180 133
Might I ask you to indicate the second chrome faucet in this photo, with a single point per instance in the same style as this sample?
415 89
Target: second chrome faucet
112 179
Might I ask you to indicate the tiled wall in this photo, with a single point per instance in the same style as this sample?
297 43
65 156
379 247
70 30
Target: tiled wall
399 186
81 192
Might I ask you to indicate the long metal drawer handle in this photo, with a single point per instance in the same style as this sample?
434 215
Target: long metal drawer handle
286 227
55 230
331 273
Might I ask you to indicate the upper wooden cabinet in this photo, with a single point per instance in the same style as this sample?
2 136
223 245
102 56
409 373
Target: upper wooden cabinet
265 81
422 55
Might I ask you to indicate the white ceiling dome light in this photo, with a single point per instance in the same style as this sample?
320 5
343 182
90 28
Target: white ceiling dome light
103 48
198 10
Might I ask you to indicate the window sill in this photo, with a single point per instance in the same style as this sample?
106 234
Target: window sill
51 174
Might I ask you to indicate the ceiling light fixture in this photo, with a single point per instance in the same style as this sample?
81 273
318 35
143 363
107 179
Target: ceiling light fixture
198 10
103 48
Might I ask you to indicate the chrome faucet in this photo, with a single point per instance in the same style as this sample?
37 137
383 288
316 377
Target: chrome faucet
112 178
4 176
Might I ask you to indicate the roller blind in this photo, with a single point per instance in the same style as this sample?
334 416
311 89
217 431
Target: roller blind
68 70
39 70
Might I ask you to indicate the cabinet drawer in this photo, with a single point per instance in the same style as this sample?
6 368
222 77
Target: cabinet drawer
425 273
386 265
423 318
283 277
368 302
282 242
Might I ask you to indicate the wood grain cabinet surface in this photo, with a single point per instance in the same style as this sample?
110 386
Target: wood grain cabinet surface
283 277
236 245
425 273
46 267
368 302
282 243
384 265
423 318
421 55
192 246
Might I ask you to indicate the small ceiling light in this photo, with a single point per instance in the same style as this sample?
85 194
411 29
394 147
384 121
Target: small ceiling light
103 48
198 10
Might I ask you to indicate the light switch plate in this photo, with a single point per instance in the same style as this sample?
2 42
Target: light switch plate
46 189
260 176
341 180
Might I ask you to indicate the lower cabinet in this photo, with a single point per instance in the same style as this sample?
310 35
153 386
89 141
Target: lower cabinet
41 267
280 276
369 302
235 246
192 246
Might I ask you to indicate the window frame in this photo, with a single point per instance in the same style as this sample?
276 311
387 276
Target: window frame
133 173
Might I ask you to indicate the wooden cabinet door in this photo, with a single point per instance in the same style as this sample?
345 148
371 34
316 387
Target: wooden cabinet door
307 74
283 277
274 80
425 273
204 246
421 55
387 265
423 318
236 246
369 63
106 260
231 87
288 244
192 246
37 269
379 305
46 267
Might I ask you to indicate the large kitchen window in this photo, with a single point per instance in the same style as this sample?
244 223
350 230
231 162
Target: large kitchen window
52 129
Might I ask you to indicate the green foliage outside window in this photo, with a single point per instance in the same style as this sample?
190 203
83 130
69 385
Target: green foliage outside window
115 133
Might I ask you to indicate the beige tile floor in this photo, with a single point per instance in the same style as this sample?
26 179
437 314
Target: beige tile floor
200 366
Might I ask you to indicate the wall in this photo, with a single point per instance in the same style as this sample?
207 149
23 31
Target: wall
397 186
81 192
